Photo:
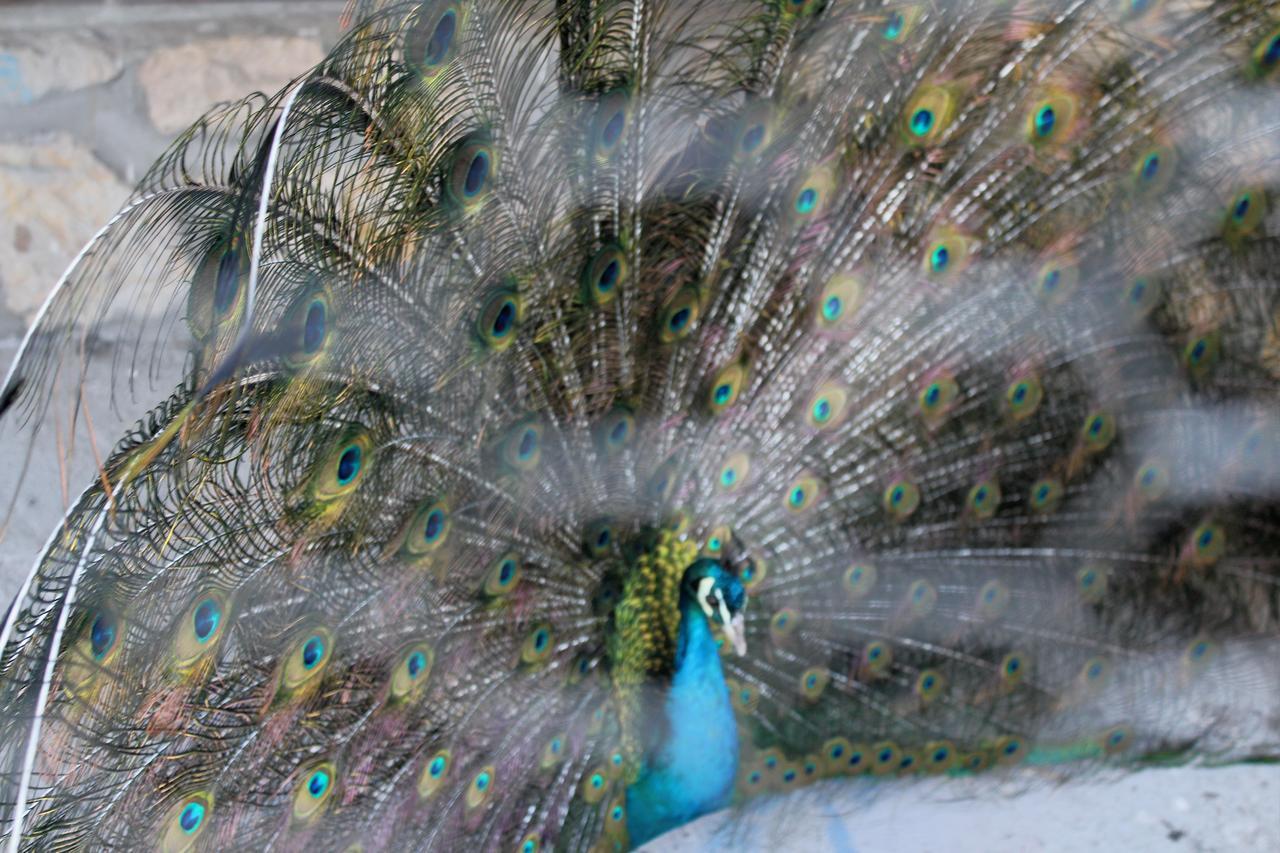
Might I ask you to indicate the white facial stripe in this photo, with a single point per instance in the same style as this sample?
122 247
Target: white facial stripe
704 589
724 611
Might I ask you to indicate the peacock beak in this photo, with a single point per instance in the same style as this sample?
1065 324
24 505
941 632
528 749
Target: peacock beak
736 630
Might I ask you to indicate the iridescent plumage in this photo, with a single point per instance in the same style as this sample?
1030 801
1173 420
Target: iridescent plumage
945 331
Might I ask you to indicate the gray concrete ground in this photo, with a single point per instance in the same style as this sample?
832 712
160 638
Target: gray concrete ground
90 93
1195 810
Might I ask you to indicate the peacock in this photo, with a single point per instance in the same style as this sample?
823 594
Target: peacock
544 423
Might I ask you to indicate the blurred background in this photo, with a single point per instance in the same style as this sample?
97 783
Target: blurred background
92 92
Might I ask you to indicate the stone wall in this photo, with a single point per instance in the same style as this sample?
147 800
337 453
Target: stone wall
91 93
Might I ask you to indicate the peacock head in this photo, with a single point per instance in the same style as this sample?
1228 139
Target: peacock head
721 597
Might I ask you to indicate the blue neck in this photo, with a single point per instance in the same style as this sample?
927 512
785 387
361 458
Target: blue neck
692 772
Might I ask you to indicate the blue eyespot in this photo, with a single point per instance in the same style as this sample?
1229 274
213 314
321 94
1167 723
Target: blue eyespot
939 258
102 635
921 121
313 332
807 200
318 784
540 639
893 26
832 308
206 618
228 282
349 464
1241 209
722 393
528 443
821 410
441 38
191 817
504 319
1046 118
752 138
1272 54
416 664
1150 167
477 174
613 129
434 525
482 781
797 496
436 768
618 434
608 277
313 651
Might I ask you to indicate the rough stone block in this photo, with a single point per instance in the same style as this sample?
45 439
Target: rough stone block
33 64
54 194
182 82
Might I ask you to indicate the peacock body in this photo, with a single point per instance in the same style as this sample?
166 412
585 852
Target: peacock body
595 414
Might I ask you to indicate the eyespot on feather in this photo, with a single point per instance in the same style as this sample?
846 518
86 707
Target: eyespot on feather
435 771
185 822
217 291
499 319
412 671
430 41
837 303
604 275
313 791
201 627
307 658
